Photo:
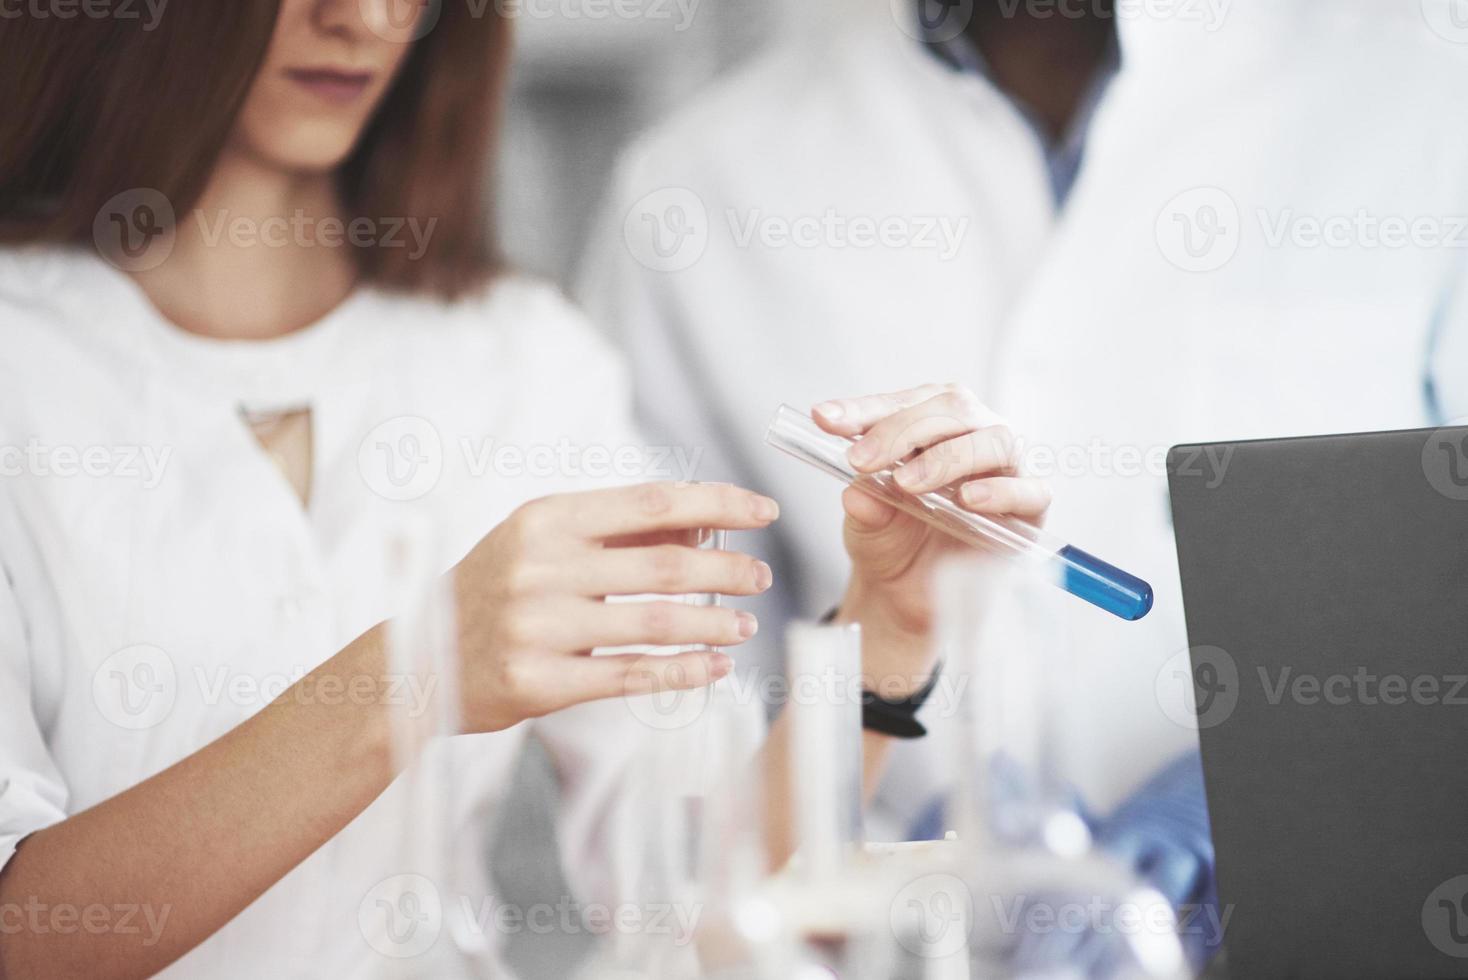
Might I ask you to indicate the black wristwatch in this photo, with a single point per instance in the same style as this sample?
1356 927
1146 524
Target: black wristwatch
895 718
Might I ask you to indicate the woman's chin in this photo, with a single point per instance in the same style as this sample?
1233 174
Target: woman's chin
315 151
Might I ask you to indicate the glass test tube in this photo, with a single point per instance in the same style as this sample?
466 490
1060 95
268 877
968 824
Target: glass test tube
1082 575
690 835
825 670
442 864
996 638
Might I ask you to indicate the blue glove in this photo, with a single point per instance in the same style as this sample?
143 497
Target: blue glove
1161 832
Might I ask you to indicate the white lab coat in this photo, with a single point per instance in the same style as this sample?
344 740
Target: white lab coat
160 581
1093 327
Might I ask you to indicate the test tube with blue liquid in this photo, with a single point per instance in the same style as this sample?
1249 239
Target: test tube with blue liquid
1081 574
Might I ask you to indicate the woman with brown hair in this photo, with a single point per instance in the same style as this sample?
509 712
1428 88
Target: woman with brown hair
252 332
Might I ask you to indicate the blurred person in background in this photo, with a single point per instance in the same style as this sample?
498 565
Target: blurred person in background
245 280
1124 226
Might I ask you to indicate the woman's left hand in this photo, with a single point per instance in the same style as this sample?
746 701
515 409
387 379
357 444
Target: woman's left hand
944 437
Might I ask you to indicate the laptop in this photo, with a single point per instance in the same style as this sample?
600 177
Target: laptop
1325 585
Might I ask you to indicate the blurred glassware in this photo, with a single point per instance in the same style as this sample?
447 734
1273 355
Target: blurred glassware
445 873
689 834
1019 891
830 899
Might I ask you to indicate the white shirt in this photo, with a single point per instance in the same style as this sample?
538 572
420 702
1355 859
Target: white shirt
850 215
162 582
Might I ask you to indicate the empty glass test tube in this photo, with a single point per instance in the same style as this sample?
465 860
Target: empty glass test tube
1082 575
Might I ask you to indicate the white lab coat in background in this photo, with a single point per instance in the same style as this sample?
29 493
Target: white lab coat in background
1092 327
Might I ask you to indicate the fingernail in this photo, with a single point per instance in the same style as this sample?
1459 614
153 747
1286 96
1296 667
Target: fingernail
720 664
975 494
906 477
748 625
763 577
831 410
765 509
862 453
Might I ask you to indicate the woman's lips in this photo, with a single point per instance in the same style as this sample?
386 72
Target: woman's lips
333 85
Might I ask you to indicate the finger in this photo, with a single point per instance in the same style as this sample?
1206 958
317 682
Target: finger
868 513
583 624
1016 496
887 543
668 569
989 451
631 674
650 507
852 416
947 414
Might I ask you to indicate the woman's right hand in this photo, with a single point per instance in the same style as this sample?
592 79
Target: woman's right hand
531 597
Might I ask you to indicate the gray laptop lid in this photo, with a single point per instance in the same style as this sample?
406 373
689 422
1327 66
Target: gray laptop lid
1325 584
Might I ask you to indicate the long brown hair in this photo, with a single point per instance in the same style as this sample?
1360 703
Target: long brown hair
96 107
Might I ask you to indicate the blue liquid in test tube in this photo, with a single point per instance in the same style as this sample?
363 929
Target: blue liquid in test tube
1081 574
1103 585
